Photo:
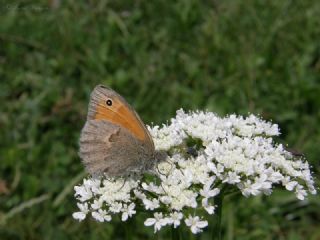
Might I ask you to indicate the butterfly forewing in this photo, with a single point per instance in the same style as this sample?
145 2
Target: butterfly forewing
114 140
120 112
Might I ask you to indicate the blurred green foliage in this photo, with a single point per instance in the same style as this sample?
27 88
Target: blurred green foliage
225 56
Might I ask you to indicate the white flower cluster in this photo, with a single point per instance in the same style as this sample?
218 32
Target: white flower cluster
205 153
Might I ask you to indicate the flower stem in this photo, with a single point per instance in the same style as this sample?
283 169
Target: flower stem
175 233
216 231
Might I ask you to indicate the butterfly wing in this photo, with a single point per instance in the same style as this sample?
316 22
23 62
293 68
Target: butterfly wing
106 104
114 140
112 149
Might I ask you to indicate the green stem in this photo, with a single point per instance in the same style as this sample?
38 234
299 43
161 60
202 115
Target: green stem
217 230
175 233
129 228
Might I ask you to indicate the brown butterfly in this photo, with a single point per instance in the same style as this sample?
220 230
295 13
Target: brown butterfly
114 140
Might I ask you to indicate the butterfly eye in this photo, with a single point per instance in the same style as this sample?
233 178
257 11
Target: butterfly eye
109 102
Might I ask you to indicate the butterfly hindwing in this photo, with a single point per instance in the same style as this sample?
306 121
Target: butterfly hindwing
111 149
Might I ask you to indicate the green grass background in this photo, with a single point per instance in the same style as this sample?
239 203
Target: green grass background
226 56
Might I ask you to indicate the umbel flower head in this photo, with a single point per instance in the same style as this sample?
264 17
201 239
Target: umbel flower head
206 154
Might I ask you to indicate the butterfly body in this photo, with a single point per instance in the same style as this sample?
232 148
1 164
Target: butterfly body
114 140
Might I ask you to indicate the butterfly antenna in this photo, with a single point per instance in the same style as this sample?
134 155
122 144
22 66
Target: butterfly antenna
171 164
171 169
163 188
158 170
124 183
113 181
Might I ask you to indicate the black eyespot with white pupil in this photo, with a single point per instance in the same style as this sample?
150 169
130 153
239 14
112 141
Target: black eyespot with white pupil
109 102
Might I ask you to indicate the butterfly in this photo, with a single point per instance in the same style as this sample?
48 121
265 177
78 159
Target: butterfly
114 141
